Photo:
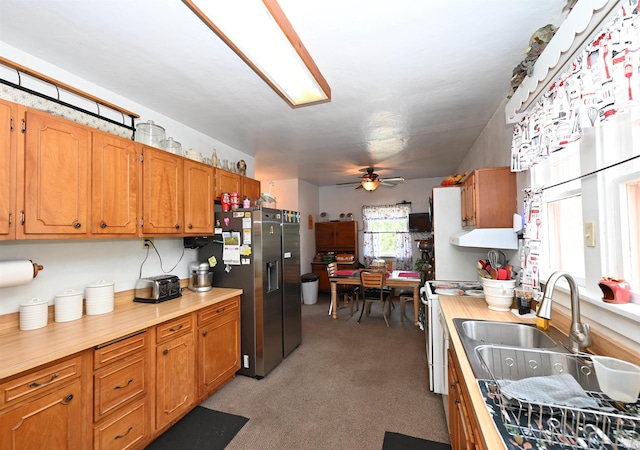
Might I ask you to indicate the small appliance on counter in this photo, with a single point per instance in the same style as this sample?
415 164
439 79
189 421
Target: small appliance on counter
157 289
199 277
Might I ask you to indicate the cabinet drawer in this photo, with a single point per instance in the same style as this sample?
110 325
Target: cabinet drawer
118 350
116 385
212 312
41 380
125 430
173 328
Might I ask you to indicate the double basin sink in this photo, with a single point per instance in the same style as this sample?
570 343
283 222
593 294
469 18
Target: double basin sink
512 351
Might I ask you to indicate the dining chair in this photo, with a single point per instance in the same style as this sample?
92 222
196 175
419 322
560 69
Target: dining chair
372 284
349 293
406 296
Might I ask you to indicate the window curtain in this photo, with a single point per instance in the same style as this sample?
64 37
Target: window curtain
371 244
603 80
530 256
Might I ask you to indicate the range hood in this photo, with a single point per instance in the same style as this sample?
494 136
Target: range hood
499 238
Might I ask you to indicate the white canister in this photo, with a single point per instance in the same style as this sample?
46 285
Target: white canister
68 306
33 314
99 297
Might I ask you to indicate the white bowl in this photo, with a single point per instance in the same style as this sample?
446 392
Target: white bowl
619 379
498 293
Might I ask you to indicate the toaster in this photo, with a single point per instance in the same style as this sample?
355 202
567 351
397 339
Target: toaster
157 289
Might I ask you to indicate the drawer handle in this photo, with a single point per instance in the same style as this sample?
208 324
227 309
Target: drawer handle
67 399
35 384
173 330
121 387
120 436
218 311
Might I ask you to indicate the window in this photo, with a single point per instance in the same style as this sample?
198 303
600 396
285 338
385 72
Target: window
609 197
386 234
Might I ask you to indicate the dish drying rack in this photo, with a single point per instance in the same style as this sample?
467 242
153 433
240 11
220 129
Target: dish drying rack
551 426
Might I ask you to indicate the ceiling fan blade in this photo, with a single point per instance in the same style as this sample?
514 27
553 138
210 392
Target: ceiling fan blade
394 180
387 184
350 183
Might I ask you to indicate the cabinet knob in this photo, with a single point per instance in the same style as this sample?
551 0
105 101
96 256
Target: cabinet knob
77 225
204 333
103 225
68 399
190 226
165 352
177 227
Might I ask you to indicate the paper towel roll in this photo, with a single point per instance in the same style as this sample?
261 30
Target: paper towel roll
14 273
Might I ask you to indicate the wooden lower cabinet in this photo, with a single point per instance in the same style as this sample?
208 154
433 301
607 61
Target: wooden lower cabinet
218 346
120 401
46 407
175 365
463 428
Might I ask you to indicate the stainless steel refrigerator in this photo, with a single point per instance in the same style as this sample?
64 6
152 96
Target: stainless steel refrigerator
291 295
248 247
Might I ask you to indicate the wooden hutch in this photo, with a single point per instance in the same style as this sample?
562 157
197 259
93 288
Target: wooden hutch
335 241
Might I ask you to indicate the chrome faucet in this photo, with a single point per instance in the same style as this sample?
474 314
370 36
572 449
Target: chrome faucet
579 335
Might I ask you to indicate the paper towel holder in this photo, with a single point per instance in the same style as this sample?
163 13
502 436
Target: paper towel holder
36 268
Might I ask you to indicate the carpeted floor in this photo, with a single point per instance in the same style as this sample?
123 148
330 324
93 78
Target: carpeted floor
201 429
344 387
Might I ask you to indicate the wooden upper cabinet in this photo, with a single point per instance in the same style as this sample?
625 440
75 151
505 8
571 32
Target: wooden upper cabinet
227 182
337 236
162 206
9 128
114 185
250 188
56 176
199 186
488 198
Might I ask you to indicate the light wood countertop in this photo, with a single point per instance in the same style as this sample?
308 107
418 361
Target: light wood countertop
24 350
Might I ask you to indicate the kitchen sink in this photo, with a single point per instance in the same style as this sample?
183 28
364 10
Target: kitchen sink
476 333
506 333
516 363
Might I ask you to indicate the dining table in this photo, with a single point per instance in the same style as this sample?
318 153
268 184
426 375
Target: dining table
394 279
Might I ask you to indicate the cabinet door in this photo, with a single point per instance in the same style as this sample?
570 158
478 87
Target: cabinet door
53 421
227 182
8 127
114 185
218 351
175 362
325 232
198 198
57 171
346 235
162 192
250 188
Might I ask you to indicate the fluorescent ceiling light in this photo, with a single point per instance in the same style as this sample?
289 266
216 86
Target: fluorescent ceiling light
370 185
259 32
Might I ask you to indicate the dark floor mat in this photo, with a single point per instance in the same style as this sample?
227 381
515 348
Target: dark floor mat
397 441
201 429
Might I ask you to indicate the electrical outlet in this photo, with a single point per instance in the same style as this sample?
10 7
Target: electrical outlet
590 234
145 243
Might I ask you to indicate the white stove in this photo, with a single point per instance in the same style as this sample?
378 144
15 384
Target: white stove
437 337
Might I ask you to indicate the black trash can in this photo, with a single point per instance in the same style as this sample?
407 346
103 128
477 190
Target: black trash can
310 283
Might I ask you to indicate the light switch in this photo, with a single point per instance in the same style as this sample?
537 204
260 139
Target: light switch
590 234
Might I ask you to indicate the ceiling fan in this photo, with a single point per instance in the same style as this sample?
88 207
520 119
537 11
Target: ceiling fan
370 181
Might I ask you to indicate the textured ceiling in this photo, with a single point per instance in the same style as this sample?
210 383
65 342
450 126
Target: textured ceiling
413 82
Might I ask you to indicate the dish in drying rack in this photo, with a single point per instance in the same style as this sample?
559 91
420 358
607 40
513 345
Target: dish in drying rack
444 285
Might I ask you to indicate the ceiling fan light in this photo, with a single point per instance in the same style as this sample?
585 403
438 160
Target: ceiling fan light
370 185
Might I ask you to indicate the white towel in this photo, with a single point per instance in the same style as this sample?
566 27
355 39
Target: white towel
561 390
